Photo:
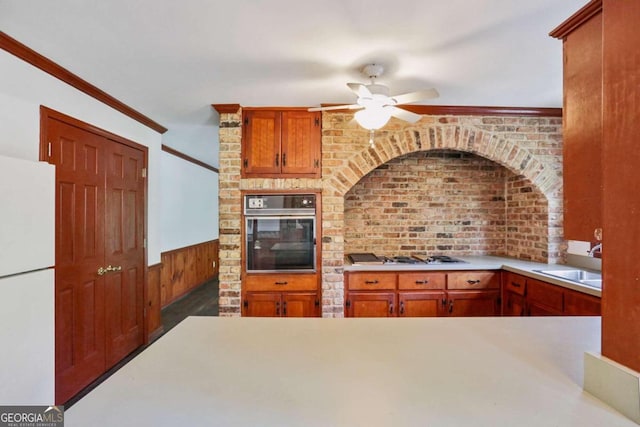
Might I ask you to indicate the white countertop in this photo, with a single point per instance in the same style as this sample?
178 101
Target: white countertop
526 268
211 371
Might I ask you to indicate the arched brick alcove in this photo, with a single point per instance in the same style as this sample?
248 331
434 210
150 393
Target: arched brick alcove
530 148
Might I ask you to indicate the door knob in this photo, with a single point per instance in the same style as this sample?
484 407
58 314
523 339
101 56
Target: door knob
101 271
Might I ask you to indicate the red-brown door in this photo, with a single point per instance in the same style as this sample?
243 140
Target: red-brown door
124 251
79 290
100 210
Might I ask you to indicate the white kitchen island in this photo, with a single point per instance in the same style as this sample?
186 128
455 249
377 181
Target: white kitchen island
211 371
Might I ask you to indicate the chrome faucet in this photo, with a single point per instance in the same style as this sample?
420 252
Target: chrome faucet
595 248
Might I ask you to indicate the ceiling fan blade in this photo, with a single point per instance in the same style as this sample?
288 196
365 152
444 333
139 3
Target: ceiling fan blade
335 107
405 115
360 90
420 95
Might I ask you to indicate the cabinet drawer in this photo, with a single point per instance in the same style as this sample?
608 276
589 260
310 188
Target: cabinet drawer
515 283
372 281
417 281
473 280
551 296
280 282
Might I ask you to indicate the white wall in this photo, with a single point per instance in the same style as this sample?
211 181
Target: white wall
189 208
23 89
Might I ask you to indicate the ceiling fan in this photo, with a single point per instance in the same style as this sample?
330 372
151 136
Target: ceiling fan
375 105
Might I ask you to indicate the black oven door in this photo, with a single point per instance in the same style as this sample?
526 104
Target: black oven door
280 243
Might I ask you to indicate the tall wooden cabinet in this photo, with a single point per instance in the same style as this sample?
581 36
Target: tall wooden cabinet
281 143
582 122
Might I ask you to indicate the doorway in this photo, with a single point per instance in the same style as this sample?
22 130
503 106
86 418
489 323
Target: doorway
99 248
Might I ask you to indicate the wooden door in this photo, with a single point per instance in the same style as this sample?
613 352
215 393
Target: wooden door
420 304
300 304
472 303
370 304
124 225
100 211
261 142
267 304
79 290
301 137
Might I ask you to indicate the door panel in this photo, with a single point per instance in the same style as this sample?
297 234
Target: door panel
420 304
473 303
79 253
299 304
124 251
262 142
370 304
300 142
262 304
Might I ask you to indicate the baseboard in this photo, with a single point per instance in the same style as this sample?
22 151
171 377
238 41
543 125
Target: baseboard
613 383
156 334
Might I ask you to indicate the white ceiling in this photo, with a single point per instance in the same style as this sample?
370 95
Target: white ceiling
171 59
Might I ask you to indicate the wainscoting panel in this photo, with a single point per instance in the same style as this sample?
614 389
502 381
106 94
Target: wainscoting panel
185 268
153 318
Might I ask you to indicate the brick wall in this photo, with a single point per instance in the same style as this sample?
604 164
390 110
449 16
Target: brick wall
528 149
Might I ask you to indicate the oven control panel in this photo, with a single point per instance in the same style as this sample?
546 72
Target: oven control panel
281 204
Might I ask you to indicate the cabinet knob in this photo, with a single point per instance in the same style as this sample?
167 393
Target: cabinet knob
371 282
284 159
278 159
282 283
401 307
422 282
473 282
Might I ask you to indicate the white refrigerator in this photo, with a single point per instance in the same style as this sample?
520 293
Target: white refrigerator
27 245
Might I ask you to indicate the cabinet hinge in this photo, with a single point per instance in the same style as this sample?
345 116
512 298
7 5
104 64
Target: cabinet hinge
245 304
348 303
317 121
317 303
499 301
49 149
144 172
246 121
246 163
316 163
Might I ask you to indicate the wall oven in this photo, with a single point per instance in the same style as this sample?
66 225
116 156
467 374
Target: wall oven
280 233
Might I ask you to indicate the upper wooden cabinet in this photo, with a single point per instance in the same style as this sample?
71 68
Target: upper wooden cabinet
281 143
582 122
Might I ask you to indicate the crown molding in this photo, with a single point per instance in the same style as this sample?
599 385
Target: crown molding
32 57
226 108
574 21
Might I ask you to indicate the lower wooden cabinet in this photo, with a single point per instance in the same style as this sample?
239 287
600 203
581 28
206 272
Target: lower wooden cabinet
371 304
421 304
473 303
525 296
284 304
422 294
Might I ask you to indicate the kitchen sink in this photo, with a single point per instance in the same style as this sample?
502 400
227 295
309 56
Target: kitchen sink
587 278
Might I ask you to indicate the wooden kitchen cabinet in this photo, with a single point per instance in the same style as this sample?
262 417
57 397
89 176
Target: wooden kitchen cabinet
513 294
281 143
281 295
579 304
285 304
421 304
544 299
582 123
473 303
371 304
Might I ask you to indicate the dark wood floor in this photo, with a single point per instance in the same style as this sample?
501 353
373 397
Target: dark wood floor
202 301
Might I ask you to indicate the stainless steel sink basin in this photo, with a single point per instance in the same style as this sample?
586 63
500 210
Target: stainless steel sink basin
587 278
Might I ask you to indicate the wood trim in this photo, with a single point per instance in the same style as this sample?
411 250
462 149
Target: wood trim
467 110
153 319
48 113
275 108
183 156
226 108
185 269
577 19
32 57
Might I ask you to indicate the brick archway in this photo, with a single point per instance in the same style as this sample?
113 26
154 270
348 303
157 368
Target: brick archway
528 147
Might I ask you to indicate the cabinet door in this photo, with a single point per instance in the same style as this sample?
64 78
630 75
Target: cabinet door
261 142
513 305
472 303
262 304
579 304
544 299
301 139
300 304
370 304
582 130
420 304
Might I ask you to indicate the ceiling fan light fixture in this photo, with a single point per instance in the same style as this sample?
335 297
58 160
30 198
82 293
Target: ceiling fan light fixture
373 118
